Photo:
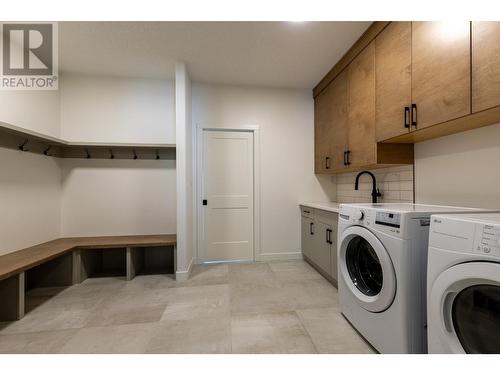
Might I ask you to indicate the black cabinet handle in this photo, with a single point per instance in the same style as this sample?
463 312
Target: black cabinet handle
348 157
327 162
345 153
329 236
204 202
407 117
311 228
414 115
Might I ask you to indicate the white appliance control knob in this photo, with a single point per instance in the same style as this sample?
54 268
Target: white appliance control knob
359 215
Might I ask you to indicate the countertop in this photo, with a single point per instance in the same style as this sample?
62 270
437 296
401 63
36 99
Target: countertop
325 206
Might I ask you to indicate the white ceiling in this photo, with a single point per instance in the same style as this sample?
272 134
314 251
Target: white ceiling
272 54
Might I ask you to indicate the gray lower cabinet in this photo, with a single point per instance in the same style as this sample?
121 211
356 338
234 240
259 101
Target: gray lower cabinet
319 240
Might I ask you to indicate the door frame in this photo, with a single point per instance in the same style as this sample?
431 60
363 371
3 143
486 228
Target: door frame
198 176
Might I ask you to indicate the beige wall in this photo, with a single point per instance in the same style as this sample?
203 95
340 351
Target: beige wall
462 169
117 109
287 176
30 190
117 197
33 110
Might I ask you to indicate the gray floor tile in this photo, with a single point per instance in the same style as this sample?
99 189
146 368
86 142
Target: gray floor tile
251 273
207 274
144 282
294 270
130 338
270 333
258 298
35 342
47 320
331 333
120 315
195 302
310 293
202 336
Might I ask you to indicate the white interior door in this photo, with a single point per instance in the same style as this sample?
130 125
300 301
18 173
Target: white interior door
227 187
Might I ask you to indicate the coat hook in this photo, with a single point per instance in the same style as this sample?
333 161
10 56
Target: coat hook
135 154
21 147
46 152
111 155
157 155
88 154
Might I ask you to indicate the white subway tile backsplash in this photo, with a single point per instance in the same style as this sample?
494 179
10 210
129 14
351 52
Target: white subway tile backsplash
406 185
395 184
406 175
392 195
407 195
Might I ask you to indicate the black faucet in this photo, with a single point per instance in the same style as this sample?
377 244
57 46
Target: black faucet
375 191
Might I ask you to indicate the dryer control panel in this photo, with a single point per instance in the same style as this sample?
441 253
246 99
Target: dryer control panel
487 240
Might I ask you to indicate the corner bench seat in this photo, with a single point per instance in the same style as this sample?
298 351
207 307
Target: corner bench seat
22 260
63 262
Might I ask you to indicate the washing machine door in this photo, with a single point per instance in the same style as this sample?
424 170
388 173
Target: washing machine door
367 269
464 307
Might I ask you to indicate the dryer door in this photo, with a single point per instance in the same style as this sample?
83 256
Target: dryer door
464 307
367 269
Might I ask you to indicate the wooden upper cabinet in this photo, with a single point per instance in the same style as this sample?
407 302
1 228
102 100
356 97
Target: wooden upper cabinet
485 65
339 129
322 124
330 126
440 71
362 144
392 80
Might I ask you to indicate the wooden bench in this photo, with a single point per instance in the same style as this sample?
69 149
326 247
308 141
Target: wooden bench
68 261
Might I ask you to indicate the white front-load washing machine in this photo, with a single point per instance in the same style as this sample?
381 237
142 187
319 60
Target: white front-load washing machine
382 258
464 284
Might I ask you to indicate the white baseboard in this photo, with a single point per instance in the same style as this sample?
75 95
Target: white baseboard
184 275
280 256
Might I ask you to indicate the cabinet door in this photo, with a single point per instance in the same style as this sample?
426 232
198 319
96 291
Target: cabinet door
321 249
393 80
485 65
440 71
362 145
322 123
307 237
338 136
330 126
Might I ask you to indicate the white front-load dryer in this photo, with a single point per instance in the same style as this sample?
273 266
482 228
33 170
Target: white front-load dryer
464 284
382 258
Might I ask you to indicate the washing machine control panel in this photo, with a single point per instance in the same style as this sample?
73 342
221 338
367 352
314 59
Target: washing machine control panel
384 221
388 219
487 240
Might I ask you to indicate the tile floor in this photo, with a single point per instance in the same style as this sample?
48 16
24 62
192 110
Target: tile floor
278 307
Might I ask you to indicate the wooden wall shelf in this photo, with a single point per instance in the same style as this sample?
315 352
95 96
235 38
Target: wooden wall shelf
14 137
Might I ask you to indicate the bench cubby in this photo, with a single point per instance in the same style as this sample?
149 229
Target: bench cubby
102 262
150 260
